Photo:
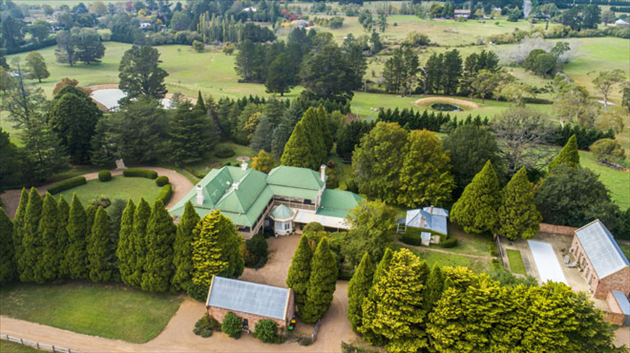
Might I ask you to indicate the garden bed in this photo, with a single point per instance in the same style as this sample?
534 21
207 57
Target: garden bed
516 261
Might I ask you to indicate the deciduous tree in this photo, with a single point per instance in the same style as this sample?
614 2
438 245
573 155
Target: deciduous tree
140 74
264 162
606 81
36 66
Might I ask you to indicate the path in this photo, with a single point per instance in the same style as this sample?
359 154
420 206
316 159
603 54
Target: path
181 186
428 248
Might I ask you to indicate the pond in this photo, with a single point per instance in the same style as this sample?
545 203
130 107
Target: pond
445 107
110 97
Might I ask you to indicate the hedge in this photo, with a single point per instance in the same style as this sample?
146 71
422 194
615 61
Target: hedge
449 242
224 151
413 236
166 194
104 175
161 180
67 185
140 173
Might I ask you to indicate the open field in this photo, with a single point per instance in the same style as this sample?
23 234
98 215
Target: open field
118 188
109 311
617 182
516 261
443 259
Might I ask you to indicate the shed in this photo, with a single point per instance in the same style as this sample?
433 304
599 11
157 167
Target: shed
431 218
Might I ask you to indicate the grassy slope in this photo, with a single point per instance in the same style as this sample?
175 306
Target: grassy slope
516 261
431 257
108 311
626 249
117 188
617 182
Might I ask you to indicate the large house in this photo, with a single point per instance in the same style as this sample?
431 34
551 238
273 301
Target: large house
287 198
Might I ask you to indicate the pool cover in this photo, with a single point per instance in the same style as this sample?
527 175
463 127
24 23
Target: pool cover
546 262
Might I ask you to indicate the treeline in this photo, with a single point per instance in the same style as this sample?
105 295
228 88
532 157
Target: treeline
585 136
411 119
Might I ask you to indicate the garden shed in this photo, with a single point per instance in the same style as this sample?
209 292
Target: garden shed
431 218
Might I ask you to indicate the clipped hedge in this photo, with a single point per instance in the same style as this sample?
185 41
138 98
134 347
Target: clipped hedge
413 236
140 173
449 242
224 151
161 180
166 194
104 175
67 185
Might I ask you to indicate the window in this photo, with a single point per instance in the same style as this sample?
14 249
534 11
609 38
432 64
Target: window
279 225
287 225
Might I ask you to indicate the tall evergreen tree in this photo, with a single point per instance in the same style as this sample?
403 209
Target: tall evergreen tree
434 287
158 267
47 265
8 268
322 282
281 75
297 151
100 259
358 288
182 248
568 155
76 255
300 271
18 230
518 216
31 241
476 210
322 120
124 252
191 133
63 213
138 242
200 106
370 301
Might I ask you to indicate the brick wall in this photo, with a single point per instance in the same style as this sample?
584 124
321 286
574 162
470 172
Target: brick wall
619 281
615 316
554 229
219 314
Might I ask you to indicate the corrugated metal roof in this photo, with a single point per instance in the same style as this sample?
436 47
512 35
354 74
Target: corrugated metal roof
339 200
601 248
282 212
295 177
248 297
422 219
623 302
305 217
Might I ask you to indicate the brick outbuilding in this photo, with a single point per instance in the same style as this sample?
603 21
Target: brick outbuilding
251 302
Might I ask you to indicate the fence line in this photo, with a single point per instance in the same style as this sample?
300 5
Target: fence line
37 345
502 254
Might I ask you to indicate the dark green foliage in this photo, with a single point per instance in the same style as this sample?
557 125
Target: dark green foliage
257 249
205 326
76 256
449 242
322 282
349 137
434 287
138 242
165 194
568 155
140 173
358 288
18 230
47 266
281 75
8 268
518 216
31 242
224 151
300 271
67 185
267 331
182 249
140 74
125 252
99 249
199 292
413 236
191 134
104 175
232 325
310 141
158 266
10 162
506 278
161 180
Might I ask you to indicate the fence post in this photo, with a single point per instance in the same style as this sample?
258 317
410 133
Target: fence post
22 341
53 347
37 344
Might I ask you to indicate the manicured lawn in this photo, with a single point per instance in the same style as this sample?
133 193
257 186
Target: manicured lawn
118 188
431 257
109 311
516 261
617 182
11 347
469 244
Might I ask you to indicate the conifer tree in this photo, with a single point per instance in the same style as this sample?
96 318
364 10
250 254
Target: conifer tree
8 268
399 315
76 256
322 119
215 249
322 282
31 241
298 152
158 266
300 271
47 265
18 230
200 106
100 259
182 248
61 235
568 155
382 265
138 242
90 214
264 162
518 216
476 209
358 288
124 252
434 287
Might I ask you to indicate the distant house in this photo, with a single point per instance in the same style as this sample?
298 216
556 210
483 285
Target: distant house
253 200
621 23
145 25
249 9
300 23
462 13
431 218
249 301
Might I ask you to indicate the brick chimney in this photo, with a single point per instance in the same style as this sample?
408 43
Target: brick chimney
199 195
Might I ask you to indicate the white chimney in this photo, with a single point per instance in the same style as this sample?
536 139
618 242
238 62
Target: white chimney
244 165
323 173
199 195
431 211
235 185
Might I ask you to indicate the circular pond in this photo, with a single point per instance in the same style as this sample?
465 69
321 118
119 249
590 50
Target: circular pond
445 107
110 97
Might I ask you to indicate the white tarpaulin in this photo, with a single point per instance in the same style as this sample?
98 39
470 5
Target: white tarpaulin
305 217
546 262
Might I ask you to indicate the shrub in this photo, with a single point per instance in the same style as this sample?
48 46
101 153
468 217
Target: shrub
257 249
492 247
305 341
266 331
140 173
224 151
162 180
104 175
67 185
198 46
412 236
205 325
197 292
232 325
449 242
166 194
101 201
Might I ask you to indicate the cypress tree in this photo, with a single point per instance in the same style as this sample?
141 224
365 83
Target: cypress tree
358 288
158 266
568 155
76 256
100 260
434 287
182 248
322 117
31 241
90 214
124 252
368 307
300 271
47 266
322 282
382 265
298 152
518 215
63 212
8 268
138 242
476 209
18 230
200 105
315 136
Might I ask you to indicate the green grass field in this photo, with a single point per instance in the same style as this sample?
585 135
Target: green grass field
118 188
617 182
516 261
432 257
10 347
109 311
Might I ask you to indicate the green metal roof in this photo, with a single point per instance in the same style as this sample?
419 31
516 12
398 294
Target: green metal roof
295 177
339 200
282 212
293 192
